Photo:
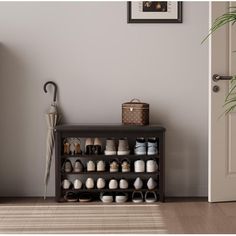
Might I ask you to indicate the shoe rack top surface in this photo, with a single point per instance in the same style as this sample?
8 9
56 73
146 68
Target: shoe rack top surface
109 127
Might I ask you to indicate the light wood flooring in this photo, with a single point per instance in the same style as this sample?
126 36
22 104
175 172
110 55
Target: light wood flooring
34 215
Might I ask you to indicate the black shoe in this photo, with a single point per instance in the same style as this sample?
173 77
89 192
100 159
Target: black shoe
137 197
150 197
71 197
85 197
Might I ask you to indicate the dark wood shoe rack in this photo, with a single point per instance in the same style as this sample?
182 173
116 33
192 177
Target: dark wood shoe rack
108 131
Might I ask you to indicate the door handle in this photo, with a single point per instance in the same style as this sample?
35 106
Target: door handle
216 77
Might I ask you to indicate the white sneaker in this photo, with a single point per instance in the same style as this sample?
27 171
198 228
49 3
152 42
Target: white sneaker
151 166
140 146
139 166
66 184
101 183
89 183
123 184
90 166
101 166
152 146
151 184
77 184
123 147
138 183
121 197
106 197
113 184
110 147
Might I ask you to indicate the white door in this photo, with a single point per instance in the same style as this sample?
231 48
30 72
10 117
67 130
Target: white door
222 130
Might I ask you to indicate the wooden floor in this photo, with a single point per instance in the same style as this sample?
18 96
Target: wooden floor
33 215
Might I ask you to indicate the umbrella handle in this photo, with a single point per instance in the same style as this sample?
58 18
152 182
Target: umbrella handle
55 89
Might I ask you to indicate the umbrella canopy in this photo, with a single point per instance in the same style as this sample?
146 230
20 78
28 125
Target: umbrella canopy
52 118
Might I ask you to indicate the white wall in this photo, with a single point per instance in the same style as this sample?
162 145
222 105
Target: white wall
99 61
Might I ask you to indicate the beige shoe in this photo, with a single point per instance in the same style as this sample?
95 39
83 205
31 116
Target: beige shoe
123 184
90 166
101 166
114 166
101 183
89 183
78 166
110 147
113 184
123 147
125 166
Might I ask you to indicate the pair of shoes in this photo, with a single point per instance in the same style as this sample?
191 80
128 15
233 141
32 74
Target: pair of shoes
73 197
101 166
67 166
123 184
90 183
72 146
66 184
109 197
123 147
93 146
125 166
151 183
151 166
143 148
150 197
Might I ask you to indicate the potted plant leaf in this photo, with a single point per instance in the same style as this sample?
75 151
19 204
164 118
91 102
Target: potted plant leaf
226 18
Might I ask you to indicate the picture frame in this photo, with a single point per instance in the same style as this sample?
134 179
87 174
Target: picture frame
154 12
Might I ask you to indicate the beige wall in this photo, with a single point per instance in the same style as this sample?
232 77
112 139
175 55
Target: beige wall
99 61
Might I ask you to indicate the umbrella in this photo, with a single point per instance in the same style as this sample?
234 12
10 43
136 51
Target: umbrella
53 119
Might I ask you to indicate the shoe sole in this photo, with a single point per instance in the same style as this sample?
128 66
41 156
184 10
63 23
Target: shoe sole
125 171
150 201
110 153
152 153
71 200
140 153
137 201
121 153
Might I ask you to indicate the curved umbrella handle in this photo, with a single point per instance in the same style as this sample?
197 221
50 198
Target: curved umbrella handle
55 89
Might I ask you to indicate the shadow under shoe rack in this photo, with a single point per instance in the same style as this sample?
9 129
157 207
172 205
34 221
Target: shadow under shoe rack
108 131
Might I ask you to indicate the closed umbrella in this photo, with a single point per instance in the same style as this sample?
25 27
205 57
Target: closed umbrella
53 119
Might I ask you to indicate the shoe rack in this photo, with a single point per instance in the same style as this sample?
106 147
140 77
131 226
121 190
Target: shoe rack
103 132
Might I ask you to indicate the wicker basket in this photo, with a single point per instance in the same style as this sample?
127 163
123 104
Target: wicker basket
135 113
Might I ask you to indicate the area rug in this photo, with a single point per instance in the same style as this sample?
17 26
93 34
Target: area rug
76 218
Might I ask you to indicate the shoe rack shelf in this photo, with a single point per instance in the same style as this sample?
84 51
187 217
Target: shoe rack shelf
107 131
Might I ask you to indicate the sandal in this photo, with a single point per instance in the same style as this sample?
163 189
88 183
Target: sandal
150 197
137 196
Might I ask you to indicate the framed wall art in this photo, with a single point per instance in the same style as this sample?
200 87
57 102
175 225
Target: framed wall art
154 12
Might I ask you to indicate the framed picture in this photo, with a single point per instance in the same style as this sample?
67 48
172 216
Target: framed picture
154 12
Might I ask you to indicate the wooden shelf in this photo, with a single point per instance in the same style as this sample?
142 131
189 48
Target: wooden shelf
102 156
100 173
95 190
106 131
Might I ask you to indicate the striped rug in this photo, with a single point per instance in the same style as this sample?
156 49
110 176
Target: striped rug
83 218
